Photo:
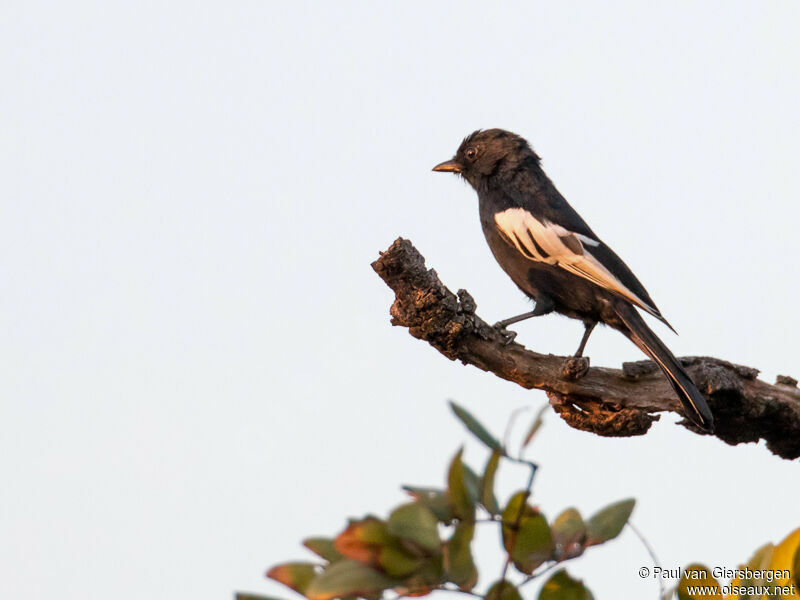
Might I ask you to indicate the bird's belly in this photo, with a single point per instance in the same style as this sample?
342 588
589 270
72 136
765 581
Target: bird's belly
572 295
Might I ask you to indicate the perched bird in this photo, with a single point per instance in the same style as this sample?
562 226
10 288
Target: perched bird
553 256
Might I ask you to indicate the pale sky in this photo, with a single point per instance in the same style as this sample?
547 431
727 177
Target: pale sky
196 364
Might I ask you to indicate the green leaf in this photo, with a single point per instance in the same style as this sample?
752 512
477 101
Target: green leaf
372 530
569 534
474 426
473 483
323 547
415 522
435 499
516 509
561 586
458 563
488 499
534 544
461 500
294 575
503 590
397 562
347 578
701 578
424 580
608 523
535 426
362 539
531 543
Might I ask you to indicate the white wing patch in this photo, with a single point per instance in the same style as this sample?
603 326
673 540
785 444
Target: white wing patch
543 241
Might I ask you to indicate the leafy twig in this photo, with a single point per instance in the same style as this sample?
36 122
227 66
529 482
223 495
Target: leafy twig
522 506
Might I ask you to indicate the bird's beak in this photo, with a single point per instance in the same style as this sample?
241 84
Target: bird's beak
448 166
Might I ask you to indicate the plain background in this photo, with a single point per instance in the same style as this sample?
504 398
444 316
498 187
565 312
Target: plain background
196 364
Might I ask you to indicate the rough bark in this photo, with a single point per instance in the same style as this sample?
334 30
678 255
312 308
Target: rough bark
608 402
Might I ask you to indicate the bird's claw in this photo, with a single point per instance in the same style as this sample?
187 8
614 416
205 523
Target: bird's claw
575 367
508 336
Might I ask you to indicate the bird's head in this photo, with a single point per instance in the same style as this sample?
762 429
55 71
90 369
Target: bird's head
489 153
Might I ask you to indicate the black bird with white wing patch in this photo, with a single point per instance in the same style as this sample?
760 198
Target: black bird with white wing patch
553 256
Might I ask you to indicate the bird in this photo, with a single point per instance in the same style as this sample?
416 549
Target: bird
555 258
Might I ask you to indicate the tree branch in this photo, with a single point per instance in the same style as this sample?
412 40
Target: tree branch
608 402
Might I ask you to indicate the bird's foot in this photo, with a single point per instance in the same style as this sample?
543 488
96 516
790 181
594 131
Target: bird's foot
508 336
575 367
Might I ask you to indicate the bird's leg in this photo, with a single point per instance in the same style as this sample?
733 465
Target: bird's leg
511 320
590 325
544 305
577 366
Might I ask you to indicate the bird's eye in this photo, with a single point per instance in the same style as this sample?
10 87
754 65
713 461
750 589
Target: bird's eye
471 153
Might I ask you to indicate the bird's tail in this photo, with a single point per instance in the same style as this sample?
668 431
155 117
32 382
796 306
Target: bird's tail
694 405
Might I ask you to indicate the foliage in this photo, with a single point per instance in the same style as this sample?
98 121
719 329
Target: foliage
426 544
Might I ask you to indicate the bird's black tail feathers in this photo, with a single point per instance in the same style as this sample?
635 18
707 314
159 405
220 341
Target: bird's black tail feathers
694 405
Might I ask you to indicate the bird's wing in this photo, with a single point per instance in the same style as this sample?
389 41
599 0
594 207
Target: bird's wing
541 240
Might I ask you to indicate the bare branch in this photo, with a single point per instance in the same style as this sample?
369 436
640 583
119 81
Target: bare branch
609 402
